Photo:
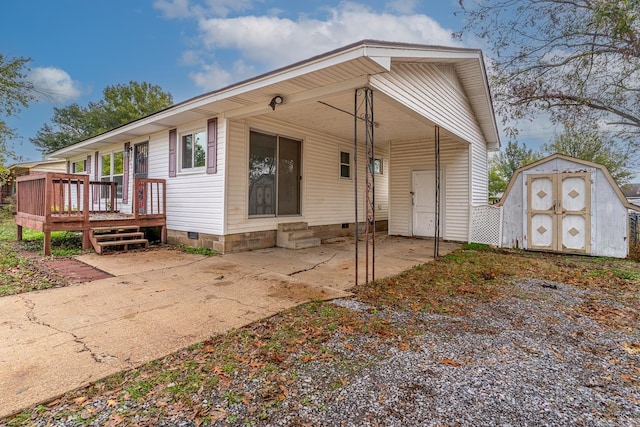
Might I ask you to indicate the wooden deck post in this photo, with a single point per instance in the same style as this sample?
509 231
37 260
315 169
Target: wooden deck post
19 233
86 239
47 243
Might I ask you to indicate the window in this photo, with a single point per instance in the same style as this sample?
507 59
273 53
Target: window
274 175
193 150
79 166
112 171
377 166
345 164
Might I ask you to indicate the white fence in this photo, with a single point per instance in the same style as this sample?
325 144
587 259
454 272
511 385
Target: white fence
486 225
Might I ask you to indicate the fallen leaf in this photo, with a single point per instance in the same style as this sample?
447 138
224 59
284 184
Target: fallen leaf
217 414
557 355
633 348
111 402
451 362
80 400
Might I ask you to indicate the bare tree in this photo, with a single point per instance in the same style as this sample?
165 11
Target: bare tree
577 60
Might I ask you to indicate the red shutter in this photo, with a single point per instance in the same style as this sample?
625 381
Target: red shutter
88 163
96 159
173 142
212 145
125 175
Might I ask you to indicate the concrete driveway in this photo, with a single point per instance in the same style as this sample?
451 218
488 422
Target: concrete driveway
163 300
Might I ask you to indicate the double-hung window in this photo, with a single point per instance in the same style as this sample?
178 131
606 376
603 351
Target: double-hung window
345 164
112 171
274 175
193 147
79 166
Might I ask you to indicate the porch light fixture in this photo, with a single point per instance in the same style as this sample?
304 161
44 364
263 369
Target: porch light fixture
276 100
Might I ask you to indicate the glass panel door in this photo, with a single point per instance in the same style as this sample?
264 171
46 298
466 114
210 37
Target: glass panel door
288 177
141 159
262 174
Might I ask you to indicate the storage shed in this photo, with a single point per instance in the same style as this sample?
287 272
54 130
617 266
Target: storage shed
563 204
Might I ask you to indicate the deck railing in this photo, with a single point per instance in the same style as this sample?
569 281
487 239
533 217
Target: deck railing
58 197
149 197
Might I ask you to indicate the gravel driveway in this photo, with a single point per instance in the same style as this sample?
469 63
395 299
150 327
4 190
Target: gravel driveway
527 359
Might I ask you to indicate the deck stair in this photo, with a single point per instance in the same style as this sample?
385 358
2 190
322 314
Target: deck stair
296 235
122 236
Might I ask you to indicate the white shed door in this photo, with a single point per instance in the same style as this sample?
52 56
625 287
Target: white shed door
424 203
558 217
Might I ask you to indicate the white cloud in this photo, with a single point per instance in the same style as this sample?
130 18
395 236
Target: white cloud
213 76
54 84
269 41
276 41
174 8
186 9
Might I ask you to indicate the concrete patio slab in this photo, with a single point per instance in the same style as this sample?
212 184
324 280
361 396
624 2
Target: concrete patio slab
160 301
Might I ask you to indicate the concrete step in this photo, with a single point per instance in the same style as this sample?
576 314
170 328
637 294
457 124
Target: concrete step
305 243
292 226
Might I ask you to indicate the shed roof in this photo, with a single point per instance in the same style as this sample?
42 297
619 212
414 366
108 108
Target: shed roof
585 163
336 72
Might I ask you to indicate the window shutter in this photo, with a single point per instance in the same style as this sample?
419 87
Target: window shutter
125 174
68 166
173 142
212 145
96 159
88 163
96 174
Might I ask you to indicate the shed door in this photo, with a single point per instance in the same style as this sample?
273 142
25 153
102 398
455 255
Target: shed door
424 203
558 216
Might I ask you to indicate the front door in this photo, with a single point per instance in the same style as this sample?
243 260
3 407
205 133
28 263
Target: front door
141 160
558 215
423 199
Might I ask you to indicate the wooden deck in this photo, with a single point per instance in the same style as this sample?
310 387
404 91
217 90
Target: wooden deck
71 202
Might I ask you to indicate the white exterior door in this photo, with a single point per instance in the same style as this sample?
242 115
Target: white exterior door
423 197
558 215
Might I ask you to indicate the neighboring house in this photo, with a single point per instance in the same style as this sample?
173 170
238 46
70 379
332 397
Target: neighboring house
632 193
27 168
563 204
279 148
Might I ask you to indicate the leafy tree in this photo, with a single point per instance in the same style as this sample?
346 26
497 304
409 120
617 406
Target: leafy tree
575 60
121 104
504 164
15 93
594 146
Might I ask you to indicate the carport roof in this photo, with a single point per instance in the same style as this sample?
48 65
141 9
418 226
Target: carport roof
334 72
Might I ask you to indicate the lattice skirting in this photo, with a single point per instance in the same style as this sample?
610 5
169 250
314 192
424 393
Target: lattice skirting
486 225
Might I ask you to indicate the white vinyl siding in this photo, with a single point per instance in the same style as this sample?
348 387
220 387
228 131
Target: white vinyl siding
326 198
195 202
435 92
420 155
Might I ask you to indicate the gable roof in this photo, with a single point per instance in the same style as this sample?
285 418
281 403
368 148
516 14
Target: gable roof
338 70
585 163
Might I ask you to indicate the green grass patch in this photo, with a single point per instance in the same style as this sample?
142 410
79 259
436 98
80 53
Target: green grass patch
198 250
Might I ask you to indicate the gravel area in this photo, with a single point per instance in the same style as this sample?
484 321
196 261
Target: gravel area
530 359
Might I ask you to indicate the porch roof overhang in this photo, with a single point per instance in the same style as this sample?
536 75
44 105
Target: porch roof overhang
319 92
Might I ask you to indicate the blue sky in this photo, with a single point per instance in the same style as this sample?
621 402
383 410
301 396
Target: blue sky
189 47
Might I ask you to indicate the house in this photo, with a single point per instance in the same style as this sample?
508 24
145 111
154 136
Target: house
632 193
288 150
26 168
563 204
